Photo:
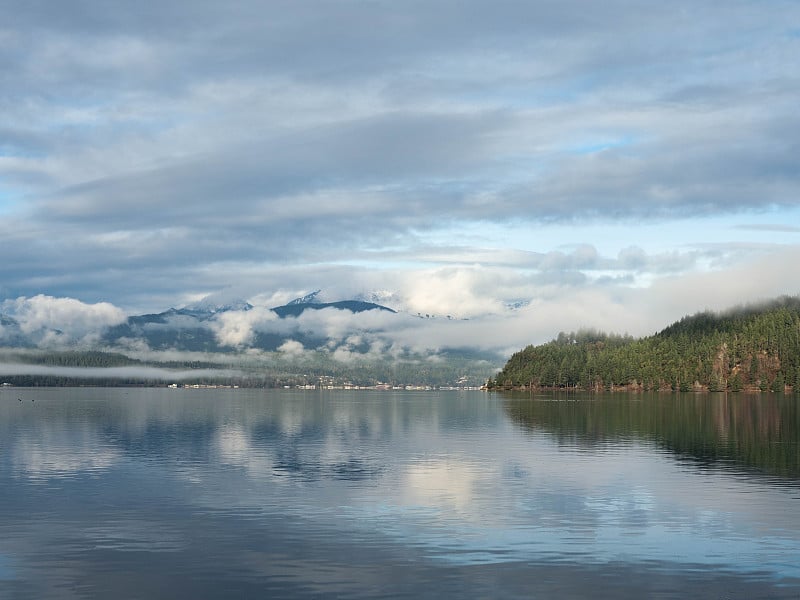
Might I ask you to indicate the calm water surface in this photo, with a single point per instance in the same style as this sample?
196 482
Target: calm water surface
155 493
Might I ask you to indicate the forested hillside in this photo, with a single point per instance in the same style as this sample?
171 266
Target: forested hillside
754 347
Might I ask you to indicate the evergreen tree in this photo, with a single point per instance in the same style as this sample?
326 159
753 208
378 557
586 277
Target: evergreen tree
778 384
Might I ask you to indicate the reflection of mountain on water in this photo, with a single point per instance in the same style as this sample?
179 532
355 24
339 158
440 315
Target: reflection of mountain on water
753 431
292 435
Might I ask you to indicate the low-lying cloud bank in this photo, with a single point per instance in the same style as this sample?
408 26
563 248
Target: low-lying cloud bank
491 308
124 373
48 320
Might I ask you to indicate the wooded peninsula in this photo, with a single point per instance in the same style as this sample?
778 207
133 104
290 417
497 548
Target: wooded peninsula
750 348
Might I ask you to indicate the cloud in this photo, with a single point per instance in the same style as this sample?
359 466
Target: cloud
340 324
292 348
451 291
62 320
140 373
271 149
468 306
237 328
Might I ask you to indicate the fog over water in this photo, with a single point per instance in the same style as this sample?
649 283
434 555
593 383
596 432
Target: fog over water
144 373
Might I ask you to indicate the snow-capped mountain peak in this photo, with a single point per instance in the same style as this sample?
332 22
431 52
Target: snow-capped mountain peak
216 304
383 297
312 298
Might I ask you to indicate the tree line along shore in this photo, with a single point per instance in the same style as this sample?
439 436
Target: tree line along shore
750 348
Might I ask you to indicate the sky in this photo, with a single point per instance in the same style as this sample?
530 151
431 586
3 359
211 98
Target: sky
614 165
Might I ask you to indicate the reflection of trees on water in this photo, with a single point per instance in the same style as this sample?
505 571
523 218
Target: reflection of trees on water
754 431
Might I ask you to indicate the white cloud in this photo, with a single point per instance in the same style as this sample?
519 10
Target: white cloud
237 328
292 348
62 320
455 291
133 372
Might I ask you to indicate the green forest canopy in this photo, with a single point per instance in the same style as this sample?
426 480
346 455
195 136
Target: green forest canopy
751 347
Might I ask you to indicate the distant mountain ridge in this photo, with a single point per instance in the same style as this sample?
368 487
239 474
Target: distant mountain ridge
226 323
199 326
192 328
295 308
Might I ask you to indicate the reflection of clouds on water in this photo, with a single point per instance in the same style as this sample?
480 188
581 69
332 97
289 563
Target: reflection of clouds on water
233 443
291 420
281 454
419 471
448 485
235 448
54 454
531 480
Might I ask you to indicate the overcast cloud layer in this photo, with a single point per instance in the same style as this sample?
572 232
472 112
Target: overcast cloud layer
614 164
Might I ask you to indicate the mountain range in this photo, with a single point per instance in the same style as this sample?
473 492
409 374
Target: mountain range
198 327
309 322
48 341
